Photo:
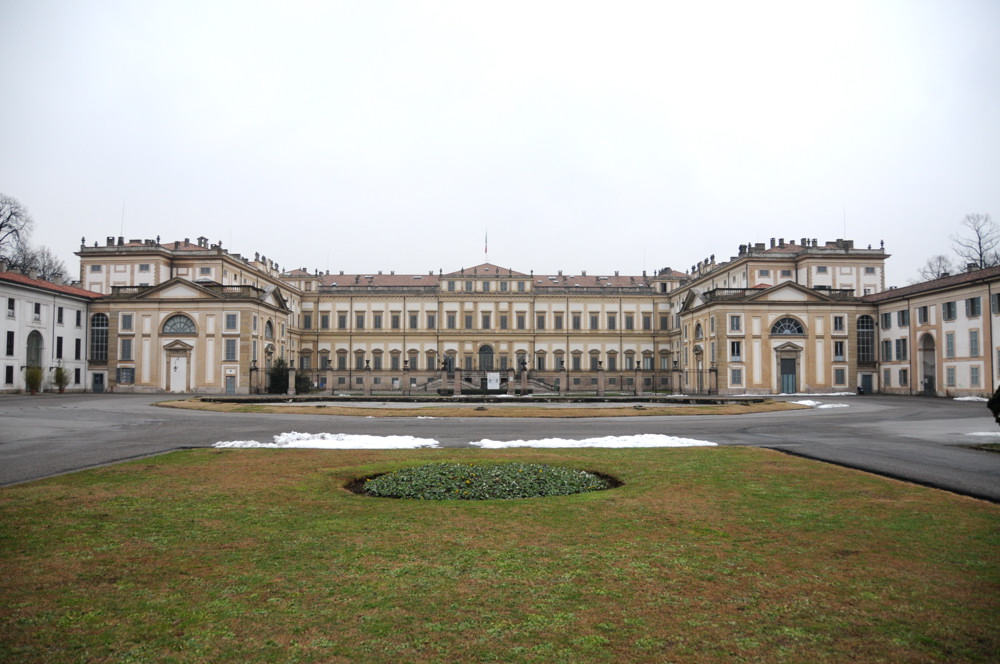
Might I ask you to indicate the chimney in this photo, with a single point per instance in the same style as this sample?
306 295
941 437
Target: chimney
111 241
772 243
781 242
971 267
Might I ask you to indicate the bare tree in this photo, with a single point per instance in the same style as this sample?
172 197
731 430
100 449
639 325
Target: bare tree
40 263
15 225
981 245
935 268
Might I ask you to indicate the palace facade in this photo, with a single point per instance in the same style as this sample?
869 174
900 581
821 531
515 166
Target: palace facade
786 317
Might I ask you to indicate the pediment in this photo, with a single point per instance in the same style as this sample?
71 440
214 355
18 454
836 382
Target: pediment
788 347
177 345
692 300
272 295
177 289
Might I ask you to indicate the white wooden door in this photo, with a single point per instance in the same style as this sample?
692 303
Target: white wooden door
178 374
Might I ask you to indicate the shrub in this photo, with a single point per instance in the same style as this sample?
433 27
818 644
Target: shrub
33 378
456 481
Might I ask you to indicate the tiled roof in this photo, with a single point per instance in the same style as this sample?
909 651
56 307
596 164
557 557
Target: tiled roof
485 270
950 281
379 280
17 278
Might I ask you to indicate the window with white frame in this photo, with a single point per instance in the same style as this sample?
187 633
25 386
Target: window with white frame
838 350
839 376
231 350
126 350
736 376
974 376
735 351
949 376
973 343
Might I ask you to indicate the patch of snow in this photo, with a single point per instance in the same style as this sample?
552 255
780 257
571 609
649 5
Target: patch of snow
985 434
335 441
820 404
641 440
816 394
971 399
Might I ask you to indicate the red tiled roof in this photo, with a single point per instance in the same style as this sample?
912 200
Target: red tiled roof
17 278
950 281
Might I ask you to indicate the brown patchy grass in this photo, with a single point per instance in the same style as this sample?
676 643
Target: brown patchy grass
703 555
491 410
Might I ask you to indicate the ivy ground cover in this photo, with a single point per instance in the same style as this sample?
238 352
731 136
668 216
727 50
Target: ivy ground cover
702 555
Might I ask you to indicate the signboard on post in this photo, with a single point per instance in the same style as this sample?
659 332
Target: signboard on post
493 380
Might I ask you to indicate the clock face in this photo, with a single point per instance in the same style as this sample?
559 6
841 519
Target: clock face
179 325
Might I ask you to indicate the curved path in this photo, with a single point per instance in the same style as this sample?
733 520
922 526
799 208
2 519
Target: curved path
923 440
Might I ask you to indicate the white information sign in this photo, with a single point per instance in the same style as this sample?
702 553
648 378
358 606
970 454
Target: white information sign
493 380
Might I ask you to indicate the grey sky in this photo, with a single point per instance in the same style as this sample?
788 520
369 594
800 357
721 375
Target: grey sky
371 135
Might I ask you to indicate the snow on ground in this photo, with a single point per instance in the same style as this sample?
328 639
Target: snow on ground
344 441
641 440
816 394
971 399
336 441
985 434
820 404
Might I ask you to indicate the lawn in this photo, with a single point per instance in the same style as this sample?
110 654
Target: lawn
703 555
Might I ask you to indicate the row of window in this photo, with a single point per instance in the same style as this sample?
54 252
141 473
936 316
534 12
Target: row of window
519 321
37 312
8 375
486 362
487 286
949 311
35 348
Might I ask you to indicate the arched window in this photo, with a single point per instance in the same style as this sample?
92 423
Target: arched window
866 339
99 338
698 331
179 324
35 349
268 330
486 358
786 326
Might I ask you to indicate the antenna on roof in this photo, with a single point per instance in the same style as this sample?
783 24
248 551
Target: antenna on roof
122 231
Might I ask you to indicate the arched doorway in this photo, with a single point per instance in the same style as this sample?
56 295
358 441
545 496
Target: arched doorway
34 356
928 364
486 358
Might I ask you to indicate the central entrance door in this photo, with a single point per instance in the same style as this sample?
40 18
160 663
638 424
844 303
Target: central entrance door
788 375
486 358
178 373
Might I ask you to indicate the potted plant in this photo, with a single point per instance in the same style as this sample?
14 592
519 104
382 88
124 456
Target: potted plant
33 379
61 378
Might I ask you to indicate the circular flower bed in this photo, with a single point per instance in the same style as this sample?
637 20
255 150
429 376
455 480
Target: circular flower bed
499 481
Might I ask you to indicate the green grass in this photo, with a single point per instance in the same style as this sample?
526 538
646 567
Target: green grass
703 555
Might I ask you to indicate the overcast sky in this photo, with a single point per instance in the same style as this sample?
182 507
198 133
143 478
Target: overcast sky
368 135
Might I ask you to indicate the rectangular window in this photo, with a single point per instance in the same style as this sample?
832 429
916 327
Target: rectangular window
205 270
59 315
520 321
903 318
786 274
341 362
486 287
394 362
558 324
887 321
76 376
735 323
886 350
839 376
324 321
922 315
469 286
126 375
594 322
629 322
10 342
869 269
595 363
359 362
125 322
901 350
974 376
838 323
95 268
79 318
504 286
540 362
451 286
735 351
468 322
576 321
763 273
450 319
647 322
307 322
575 363
948 310
59 348
503 320
664 322
973 307
10 307
341 321
612 321
394 321
377 321
431 321
38 311
995 303
541 321
77 349
126 350
949 344
359 321
255 323
838 351
377 363
904 377
143 267
821 269
232 322
613 362
949 374
231 350
887 378
520 287
973 343
486 321
414 318
468 363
